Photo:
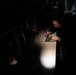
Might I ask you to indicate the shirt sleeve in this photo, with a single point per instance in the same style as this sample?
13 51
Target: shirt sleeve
52 29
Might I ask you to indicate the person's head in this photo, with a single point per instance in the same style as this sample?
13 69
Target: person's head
58 22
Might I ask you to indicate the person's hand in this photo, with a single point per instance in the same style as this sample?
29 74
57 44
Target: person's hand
47 33
55 38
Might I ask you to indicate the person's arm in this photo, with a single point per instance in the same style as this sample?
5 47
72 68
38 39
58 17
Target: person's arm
56 38
50 31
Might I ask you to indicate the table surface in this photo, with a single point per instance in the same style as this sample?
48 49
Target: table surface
48 52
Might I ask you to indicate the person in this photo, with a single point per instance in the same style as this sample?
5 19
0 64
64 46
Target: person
58 25
61 38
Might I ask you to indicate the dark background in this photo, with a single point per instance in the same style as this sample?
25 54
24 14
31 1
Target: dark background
13 15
